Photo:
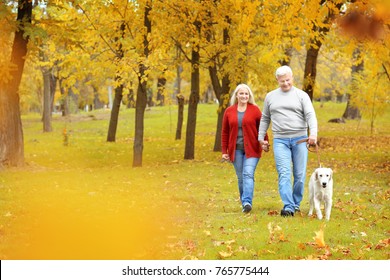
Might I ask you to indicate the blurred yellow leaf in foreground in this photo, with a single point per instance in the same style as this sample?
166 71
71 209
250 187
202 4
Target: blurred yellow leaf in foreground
319 238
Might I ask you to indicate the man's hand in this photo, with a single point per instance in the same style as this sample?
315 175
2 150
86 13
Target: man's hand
264 145
312 140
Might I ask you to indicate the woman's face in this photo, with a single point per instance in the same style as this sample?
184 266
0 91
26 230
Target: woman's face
242 96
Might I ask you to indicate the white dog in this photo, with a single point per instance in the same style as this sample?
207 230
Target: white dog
321 189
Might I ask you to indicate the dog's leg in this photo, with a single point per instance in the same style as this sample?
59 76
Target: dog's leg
318 209
311 209
311 196
311 205
328 209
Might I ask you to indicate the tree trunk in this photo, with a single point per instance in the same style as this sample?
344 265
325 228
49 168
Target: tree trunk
141 95
189 152
352 112
180 100
72 102
223 104
11 131
149 97
53 85
130 99
47 107
111 135
288 52
222 92
161 81
97 103
63 102
180 115
322 29
310 74
140 106
49 82
207 94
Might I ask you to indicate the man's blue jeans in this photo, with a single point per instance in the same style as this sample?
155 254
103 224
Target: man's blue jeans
245 170
287 152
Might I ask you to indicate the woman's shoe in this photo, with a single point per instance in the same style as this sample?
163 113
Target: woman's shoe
247 208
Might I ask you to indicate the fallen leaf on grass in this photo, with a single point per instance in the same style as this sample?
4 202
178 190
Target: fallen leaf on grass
242 249
190 245
275 233
311 257
224 255
382 244
302 246
319 238
229 242
281 237
273 213
219 243
189 257
367 247
346 251
326 254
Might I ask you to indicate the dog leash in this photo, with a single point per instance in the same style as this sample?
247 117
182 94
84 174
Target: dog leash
308 147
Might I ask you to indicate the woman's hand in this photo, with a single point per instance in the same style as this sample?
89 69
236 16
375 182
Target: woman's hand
264 145
225 157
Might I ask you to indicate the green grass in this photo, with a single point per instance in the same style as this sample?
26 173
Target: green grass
85 201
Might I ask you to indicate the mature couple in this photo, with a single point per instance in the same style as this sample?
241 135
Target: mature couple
244 137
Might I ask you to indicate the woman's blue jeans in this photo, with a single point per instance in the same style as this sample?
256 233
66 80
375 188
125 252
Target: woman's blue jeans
287 153
245 171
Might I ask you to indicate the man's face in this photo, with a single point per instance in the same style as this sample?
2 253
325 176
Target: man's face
285 82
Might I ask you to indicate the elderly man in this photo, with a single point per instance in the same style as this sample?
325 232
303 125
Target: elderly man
291 112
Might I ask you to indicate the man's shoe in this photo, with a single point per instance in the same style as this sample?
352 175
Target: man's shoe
247 208
286 213
297 210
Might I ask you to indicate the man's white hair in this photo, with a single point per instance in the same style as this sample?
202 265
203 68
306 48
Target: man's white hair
283 70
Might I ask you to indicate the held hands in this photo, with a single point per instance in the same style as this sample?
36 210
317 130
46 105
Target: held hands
264 145
225 157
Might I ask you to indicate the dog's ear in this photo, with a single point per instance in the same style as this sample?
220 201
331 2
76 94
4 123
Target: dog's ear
316 174
331 173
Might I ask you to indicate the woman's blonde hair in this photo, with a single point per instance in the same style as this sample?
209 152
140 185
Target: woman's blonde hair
233 99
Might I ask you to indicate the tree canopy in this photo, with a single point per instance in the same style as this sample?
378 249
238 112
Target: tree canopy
88 46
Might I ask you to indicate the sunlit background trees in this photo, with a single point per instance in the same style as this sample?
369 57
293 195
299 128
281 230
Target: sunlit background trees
94 54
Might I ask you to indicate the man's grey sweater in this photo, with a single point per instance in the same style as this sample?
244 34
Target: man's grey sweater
291 113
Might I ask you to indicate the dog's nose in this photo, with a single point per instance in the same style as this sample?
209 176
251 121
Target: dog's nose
324 185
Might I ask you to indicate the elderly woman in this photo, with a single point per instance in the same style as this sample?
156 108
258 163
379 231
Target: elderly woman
239 141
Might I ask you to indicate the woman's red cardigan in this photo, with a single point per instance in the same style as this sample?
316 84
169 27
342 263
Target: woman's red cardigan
250 129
